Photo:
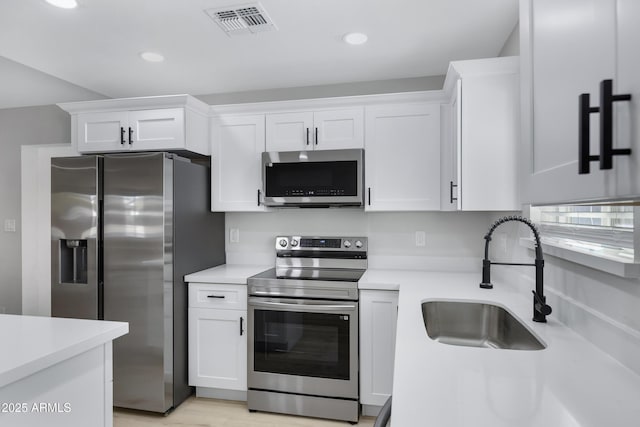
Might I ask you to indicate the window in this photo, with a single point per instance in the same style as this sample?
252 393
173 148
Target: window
604 230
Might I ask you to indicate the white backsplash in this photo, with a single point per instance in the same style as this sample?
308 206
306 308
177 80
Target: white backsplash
601 307
453 239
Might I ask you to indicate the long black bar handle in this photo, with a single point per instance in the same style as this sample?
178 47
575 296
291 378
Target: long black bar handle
369 194
241 325
307 136
584 138
121 135
258 197
215 296
130 135
316 136
451 186
607 98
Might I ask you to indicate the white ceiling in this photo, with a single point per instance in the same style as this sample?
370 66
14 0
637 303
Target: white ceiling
97 45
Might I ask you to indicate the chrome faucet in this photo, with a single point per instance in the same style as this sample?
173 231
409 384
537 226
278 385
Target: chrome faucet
540 307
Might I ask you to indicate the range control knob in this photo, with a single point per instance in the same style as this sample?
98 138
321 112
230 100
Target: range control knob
294 243
347 244
283 242
358 244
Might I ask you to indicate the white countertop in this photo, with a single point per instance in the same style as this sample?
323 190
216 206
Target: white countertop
570 383
30 343
226 273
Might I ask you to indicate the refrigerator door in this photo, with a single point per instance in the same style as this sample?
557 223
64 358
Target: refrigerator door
138 252
75 210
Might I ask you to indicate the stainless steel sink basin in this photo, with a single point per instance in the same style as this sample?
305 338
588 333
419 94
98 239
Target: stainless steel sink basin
475 324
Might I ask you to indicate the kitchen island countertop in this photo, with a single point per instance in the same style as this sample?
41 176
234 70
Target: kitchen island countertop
33 343
569 383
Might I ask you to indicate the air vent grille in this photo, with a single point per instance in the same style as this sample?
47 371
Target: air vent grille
242 19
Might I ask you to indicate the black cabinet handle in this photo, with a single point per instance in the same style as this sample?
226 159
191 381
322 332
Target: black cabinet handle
121 135
241 325
307 136
215 296
258 197
369 194
130 136
584 139
316 136
607 98
451 186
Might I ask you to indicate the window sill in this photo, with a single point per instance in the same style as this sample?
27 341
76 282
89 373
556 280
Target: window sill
605 260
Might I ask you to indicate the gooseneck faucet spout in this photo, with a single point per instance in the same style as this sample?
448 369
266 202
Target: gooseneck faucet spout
540 307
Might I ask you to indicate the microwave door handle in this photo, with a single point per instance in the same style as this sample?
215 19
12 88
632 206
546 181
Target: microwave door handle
303 306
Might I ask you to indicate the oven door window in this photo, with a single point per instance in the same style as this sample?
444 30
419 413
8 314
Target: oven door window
317 179
298 343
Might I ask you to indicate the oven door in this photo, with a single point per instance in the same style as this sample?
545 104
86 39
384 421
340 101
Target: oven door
303 346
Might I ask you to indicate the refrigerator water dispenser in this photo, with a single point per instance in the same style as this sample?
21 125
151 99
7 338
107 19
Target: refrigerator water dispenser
73 261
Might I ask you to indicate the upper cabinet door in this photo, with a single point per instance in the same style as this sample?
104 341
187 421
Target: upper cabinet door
99 132
402 157
320 130
156 129
339 129
567 48
627 114
289 131
237 143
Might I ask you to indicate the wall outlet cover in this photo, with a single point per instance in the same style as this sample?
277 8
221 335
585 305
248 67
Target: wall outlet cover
234 235
421 238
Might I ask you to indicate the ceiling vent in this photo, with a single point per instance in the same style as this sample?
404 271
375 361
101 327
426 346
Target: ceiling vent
242 19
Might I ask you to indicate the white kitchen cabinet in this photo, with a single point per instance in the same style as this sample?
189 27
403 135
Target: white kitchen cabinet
556 69
480 148
237 143
217 336
172 123
319 130
378 319
402 157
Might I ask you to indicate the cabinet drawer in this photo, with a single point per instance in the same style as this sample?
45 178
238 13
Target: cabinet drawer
221 296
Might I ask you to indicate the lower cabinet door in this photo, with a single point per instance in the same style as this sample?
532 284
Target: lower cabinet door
378 319
218 348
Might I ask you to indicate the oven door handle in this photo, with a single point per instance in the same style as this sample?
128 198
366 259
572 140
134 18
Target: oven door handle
305 306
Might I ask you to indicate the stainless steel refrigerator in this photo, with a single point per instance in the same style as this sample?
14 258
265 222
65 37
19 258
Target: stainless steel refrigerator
125 229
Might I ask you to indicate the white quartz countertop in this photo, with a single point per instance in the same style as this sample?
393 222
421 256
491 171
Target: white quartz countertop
226 273
31 344
569 383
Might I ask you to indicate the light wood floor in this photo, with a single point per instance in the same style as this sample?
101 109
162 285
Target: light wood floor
202 412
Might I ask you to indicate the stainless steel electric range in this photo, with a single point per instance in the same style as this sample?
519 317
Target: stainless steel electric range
303 328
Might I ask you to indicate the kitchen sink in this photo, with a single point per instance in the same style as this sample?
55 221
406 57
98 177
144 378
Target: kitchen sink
475 324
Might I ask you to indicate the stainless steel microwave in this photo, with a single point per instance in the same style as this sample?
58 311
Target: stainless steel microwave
323 178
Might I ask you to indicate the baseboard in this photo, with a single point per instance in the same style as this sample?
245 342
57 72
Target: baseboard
217 393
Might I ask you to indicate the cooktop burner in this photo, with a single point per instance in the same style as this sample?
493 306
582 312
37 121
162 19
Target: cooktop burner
324 274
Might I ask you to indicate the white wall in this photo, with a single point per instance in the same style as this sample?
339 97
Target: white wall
326 91
22 86
453 240
601 307
20 126
512 44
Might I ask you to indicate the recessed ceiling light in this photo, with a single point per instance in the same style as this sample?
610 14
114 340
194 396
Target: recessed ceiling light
65 4
152 57
355 38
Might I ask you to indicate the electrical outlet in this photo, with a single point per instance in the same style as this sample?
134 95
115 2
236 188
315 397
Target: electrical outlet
10 225
234 235
501 243
421 238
